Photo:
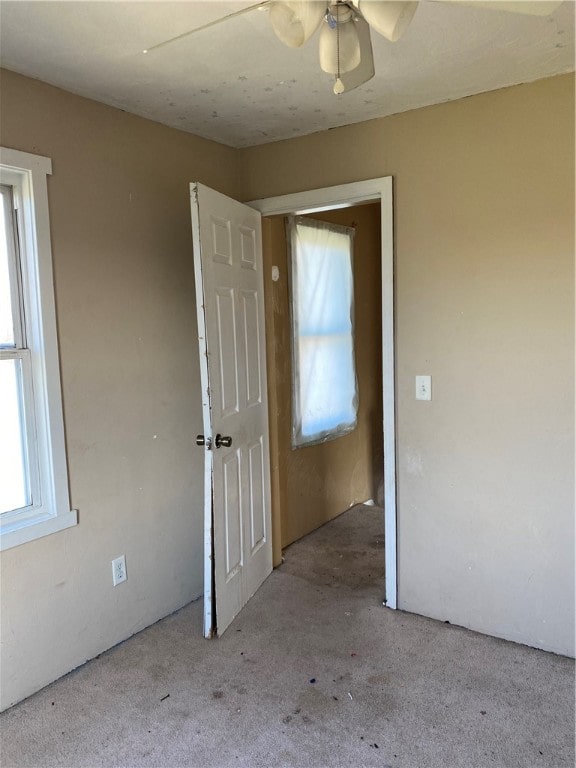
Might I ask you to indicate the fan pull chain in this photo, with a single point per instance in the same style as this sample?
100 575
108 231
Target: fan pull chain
338 85
338 46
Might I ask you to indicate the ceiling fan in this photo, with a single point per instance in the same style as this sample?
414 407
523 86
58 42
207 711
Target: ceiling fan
345 44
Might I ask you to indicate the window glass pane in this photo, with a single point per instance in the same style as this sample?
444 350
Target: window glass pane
324 282
327 383
324 376
14 487
6 321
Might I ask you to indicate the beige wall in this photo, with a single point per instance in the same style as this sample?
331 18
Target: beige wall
484 270
122 254
313 484
484 302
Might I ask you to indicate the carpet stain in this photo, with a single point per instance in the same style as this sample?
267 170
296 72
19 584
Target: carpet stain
347 556
378 679
157 672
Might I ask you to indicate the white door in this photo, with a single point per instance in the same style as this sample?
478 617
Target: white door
230 306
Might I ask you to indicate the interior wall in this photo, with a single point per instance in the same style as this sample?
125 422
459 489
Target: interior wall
315 483
484 292
122 251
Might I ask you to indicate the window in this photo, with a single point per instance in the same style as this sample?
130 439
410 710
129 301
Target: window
324 402
33 474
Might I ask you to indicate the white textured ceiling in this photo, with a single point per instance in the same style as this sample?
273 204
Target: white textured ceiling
237 84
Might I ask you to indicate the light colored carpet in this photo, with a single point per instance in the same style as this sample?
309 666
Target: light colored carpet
314 672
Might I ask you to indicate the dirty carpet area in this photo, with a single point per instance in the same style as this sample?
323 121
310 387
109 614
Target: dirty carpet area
314 672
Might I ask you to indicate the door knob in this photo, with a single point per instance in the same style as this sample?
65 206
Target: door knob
201 440
223 441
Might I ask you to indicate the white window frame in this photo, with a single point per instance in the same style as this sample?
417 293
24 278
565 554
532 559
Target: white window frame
50 509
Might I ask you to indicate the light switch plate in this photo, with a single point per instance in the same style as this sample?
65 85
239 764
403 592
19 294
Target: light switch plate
423 387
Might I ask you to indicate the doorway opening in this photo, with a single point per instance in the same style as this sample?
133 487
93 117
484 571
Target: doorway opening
309 485
314 483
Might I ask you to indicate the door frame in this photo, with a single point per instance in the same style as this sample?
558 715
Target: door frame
344 196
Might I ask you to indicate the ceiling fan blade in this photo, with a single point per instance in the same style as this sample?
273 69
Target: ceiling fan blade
222 19
526 7
295 21
365 70
391 18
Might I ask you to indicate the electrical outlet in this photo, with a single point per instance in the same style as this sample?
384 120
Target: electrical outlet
423 387
119 570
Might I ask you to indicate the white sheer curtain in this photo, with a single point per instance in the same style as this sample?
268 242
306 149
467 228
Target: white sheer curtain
325 398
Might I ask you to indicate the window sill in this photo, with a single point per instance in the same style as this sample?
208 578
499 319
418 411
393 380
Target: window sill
13 536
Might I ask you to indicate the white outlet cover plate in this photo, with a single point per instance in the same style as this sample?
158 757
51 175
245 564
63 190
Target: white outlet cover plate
423 387
119 570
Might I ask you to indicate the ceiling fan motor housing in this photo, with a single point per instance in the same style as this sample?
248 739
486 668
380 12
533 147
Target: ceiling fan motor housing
339 42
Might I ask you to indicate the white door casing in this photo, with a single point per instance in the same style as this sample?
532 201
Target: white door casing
227 242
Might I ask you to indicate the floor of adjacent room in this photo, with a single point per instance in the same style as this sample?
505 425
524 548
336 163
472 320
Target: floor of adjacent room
314 672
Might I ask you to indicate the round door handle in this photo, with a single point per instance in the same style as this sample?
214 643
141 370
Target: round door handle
200 440
223 441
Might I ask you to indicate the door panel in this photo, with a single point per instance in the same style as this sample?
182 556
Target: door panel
221 240
228 373
230 301
256 490
248 247
252 318
232 523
